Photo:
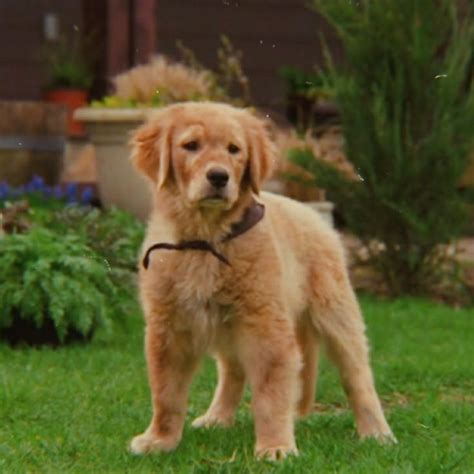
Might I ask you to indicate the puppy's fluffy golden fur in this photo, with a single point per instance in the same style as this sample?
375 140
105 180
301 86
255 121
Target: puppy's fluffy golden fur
263 318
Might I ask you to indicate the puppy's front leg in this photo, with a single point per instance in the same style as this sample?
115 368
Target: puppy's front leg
227 396
272 361
171 364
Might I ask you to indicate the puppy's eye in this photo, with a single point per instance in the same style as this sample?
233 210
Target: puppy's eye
191 146
233 149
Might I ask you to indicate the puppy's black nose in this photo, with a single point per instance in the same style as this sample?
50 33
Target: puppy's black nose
217 177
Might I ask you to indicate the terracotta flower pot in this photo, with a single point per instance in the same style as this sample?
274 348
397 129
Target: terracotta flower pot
73 99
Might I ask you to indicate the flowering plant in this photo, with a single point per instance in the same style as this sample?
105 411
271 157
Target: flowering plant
38 193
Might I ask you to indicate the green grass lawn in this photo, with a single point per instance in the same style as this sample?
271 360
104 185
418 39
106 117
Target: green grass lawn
75 409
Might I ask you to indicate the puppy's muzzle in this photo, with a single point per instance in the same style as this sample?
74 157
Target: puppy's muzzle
217 177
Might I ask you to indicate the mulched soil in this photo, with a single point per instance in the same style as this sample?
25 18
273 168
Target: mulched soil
364 278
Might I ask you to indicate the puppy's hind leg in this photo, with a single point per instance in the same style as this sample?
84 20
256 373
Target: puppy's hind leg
227 396
309 345
337 317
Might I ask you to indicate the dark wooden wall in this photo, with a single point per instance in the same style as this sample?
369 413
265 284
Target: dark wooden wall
122 34
22 71
271 34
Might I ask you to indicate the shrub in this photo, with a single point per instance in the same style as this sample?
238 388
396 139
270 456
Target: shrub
71 272
406 99
162 81
54 282
112 234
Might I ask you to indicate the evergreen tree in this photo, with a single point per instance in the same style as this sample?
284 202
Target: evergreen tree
406 98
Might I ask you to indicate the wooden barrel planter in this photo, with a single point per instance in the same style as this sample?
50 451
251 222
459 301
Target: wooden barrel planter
32 141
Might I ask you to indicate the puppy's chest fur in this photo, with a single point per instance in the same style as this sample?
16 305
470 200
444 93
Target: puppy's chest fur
204 294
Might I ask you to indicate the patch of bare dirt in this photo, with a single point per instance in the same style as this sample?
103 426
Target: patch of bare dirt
389 402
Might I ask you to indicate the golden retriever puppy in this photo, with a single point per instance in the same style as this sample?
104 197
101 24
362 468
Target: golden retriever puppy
258 280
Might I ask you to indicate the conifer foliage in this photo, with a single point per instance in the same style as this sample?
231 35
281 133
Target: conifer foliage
406 98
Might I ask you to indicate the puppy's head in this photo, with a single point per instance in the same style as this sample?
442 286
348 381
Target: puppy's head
212 153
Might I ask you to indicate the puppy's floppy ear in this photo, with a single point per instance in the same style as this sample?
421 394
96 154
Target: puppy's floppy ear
261 149
151 153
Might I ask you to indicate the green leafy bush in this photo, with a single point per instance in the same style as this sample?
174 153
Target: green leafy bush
406 98
84 258
48 277
112 234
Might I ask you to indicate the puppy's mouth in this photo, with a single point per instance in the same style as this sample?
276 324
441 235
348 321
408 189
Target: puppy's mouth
213 200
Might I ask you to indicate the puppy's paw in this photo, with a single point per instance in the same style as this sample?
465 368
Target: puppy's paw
385 437
275 453
209 420
147 443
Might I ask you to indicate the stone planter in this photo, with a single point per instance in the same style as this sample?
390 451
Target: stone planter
119 184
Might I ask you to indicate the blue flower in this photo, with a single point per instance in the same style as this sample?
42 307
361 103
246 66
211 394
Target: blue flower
58 192
87 195
37 183
4 190
71 192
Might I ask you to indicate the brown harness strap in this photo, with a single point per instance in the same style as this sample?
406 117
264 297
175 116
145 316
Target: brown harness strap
252 216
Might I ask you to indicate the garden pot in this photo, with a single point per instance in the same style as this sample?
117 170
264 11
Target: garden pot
119 184
72 99
32 141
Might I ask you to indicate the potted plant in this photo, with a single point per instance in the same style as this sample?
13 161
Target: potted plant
69 79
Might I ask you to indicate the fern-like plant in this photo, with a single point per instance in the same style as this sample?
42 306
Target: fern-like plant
113 234
54 283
